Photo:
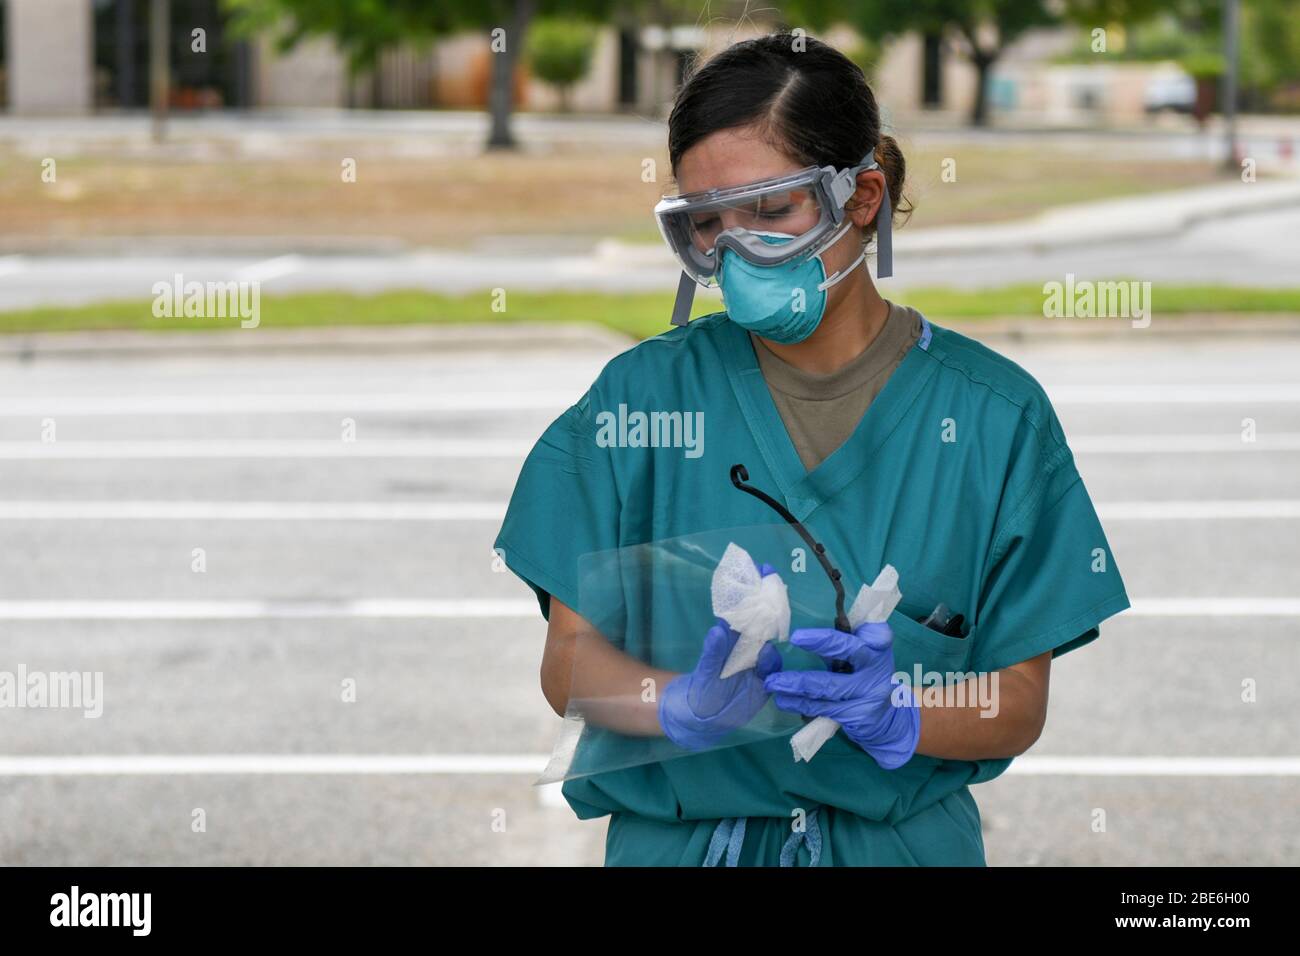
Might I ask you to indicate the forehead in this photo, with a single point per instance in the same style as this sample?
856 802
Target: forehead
731 157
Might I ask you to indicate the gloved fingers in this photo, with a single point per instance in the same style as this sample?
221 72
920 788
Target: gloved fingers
717 646
876 635
824 685
830 644
808 706
765 569
769 661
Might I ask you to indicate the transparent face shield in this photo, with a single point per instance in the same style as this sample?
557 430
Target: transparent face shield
651 609
807 204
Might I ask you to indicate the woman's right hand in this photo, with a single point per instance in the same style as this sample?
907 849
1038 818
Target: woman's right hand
700 708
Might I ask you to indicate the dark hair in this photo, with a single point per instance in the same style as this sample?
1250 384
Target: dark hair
810 100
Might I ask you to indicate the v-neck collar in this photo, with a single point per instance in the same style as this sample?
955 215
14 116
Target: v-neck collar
805 491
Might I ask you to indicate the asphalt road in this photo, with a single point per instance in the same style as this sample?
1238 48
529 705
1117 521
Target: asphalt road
372 564
1251 249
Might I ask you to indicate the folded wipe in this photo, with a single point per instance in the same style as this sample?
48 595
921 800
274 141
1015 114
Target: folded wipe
756 607
872 605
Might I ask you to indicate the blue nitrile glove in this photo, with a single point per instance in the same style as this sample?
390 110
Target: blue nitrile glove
879 714
698 709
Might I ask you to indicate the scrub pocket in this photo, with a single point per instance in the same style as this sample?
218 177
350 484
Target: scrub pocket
914 644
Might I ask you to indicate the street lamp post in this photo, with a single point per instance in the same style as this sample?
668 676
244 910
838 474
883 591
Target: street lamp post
1229 87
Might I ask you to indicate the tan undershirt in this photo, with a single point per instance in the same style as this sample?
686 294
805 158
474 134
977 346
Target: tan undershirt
821 411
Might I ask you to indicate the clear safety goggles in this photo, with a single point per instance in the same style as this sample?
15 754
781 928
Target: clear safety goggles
807 204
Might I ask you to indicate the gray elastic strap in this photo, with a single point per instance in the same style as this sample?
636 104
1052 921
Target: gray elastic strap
884 237
685 296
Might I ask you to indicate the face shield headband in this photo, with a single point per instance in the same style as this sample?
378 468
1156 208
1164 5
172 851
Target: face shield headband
808 204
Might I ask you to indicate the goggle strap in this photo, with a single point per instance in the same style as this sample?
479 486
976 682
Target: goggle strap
685 296
884 237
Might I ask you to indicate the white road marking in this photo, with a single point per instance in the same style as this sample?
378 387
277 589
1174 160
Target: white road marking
110 610
539 400
286 404
1197 510
1214 607
45 510
266 448
1157 766
454 609
515 448
1173 394
269 269
252 510
274 764
532 765
1175 444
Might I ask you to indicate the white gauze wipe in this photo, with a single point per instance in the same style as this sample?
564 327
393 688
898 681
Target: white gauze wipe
756 607
872 605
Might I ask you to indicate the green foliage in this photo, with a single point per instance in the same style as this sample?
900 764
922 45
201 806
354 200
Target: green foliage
560 49
365 28
1202 65
362 28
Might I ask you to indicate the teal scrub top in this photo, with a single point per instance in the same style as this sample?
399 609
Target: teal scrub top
959 475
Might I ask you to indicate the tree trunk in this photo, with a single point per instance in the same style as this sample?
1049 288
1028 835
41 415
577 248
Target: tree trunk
979 114
501 92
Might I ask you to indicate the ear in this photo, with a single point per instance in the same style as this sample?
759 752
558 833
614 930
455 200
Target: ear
865 201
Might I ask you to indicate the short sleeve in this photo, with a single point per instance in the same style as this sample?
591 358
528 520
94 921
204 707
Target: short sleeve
565 505
1052 577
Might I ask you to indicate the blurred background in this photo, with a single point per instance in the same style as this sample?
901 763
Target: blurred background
288 288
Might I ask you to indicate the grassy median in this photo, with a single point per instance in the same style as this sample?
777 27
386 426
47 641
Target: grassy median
638 315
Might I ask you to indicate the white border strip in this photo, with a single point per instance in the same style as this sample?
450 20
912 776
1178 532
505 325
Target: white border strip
532 765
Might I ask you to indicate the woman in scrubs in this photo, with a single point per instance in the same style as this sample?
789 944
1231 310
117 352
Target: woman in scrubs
893 441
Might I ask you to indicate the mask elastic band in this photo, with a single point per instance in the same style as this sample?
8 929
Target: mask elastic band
847 269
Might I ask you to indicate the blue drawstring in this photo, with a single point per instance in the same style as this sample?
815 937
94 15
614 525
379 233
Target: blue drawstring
811 834
729 834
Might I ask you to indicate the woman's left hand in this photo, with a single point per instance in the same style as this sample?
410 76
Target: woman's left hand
878 713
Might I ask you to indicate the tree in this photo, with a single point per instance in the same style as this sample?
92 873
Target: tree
987 27
364 29
560 51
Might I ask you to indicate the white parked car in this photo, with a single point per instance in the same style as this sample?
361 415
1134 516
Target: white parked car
1170 91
